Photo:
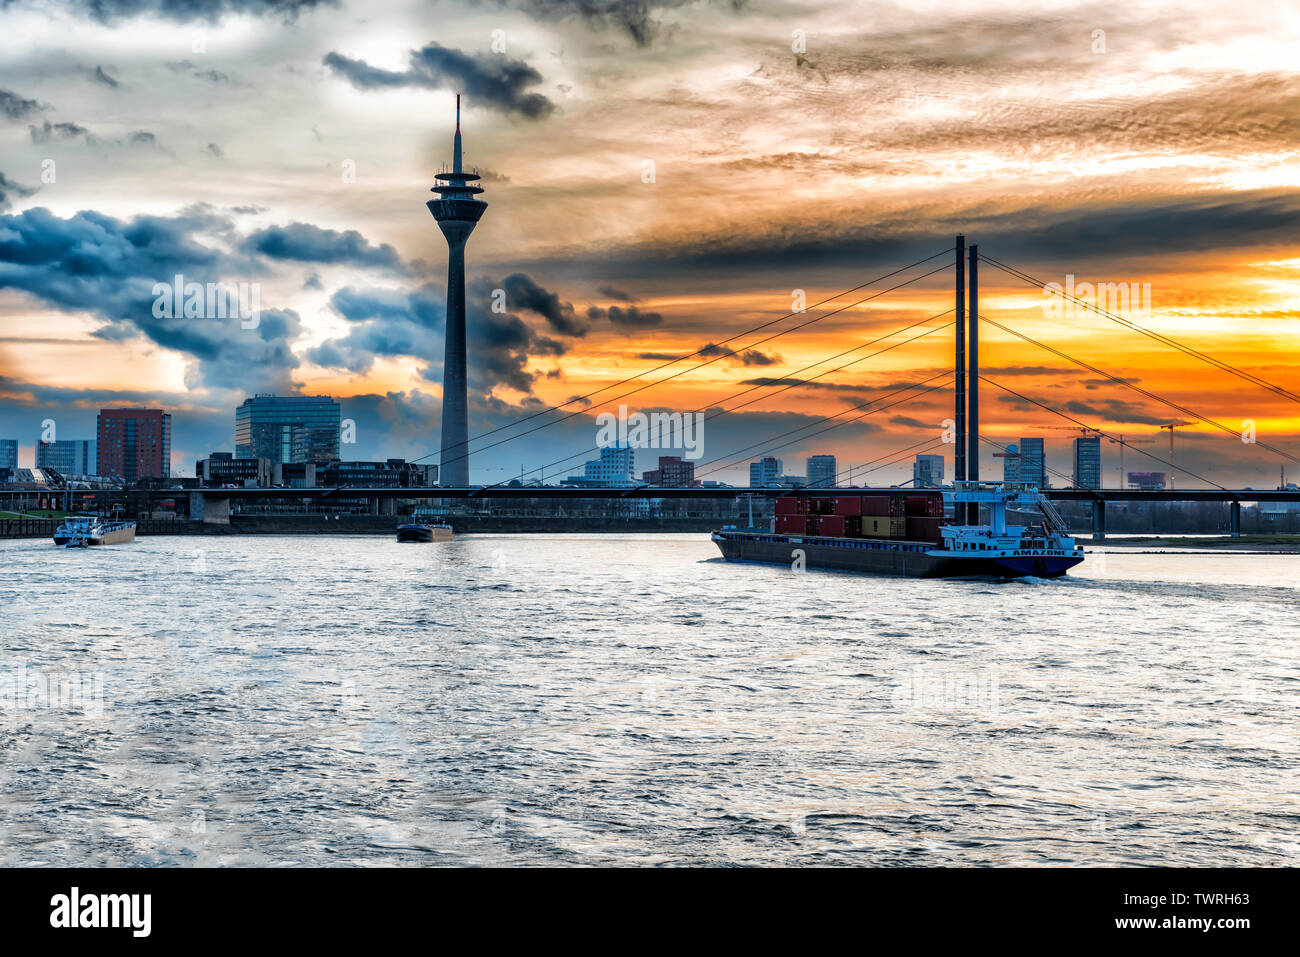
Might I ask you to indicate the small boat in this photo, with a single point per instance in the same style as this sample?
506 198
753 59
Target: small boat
423 532
77 531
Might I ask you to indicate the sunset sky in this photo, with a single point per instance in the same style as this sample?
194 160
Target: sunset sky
661 176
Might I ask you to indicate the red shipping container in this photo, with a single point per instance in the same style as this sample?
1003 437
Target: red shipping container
787 505
832 525
848 505
792 524
875 505
931 505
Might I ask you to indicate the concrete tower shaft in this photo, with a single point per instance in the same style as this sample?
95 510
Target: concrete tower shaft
457 211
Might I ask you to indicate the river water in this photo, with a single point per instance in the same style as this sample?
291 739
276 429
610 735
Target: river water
605 699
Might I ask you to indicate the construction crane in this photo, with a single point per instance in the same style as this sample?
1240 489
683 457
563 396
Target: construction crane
1171 426
1121 442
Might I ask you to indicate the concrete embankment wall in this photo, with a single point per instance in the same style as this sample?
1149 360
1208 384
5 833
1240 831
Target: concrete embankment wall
468 524
44 527
375 525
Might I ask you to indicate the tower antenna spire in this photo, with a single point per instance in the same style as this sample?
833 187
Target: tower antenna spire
455 151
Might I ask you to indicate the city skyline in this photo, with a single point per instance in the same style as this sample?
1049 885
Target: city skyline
871 149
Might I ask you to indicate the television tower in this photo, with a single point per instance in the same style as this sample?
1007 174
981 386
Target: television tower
457 211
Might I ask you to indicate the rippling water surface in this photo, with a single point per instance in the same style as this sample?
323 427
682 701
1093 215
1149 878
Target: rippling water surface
587 699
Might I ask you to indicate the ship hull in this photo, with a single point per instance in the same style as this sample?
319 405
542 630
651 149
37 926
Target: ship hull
880 557
423 533
112 536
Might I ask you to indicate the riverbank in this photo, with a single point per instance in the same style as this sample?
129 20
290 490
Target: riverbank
1254 544
317 524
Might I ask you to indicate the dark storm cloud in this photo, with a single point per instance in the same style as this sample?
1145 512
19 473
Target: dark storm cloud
101 76
1024 236
303 242
629 318
96 264
636 18
17 107
183 11
490 79
808 384
389 323
615 293
9 189
1109 410
522 292
49 132
393 323
910 423
749 357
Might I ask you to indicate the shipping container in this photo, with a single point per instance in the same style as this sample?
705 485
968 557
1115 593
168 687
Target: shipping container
848 505
897 527
874 526
853 526
927 505
792 524
832 525
875 504
787 505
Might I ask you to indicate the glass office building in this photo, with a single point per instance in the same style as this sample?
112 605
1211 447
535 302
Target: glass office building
822 472
1087 462
67 456
288 428
927 471
1032 467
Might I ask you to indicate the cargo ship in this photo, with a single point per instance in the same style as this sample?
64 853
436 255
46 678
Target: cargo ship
900 532
422 532
79 530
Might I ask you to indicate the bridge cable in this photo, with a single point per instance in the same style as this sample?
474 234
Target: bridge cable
783 388
1151 395
702 349
1159 337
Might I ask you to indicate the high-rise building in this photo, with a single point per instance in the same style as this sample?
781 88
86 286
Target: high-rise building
673 472
288 428
1033 465
222 468
764 472
821 471
133 444
1011 464
1087 462
927 471
457 210
8 453
67 456
614 467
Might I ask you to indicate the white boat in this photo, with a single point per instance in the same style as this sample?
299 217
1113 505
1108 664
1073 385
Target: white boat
79 530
